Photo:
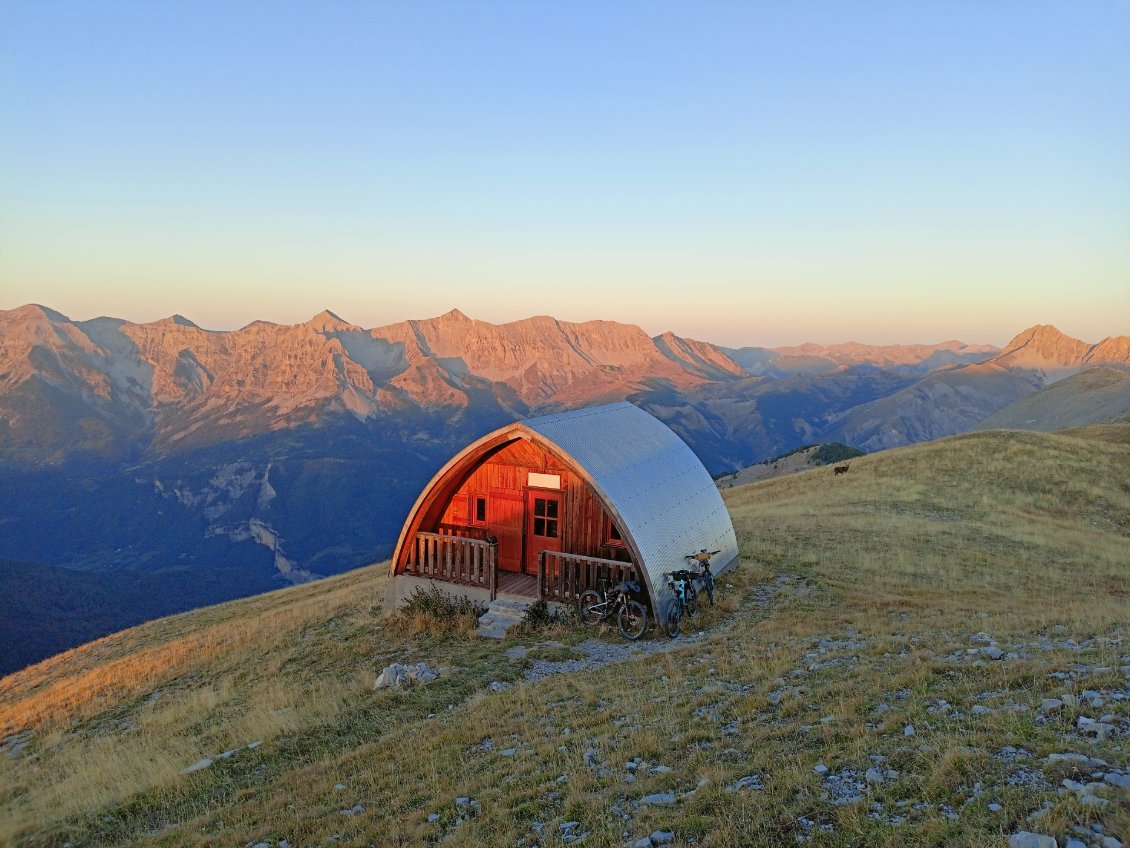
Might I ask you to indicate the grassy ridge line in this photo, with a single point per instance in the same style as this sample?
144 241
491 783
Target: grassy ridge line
901 560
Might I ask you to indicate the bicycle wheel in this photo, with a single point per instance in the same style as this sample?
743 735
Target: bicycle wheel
632 619
692 600
674 618
590 607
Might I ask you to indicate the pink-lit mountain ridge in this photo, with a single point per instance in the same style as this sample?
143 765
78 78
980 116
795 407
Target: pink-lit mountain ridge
71 386
178 466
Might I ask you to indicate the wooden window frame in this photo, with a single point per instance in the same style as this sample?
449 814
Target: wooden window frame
473 500
612 539
549 496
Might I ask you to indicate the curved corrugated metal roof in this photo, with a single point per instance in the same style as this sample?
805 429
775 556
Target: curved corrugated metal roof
653 483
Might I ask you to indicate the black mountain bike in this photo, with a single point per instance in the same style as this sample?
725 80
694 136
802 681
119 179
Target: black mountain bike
703 558
597 606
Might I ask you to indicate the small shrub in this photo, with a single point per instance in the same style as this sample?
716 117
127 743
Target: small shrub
434 611
539 618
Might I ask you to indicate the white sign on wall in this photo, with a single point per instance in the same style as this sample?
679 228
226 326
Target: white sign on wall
544 481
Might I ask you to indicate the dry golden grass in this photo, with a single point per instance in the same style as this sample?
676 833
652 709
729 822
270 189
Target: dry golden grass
126 713
894 566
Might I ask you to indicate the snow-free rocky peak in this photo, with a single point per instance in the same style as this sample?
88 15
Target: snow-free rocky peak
327 322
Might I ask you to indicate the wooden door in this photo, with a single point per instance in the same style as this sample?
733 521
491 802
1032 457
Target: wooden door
505 520
543 526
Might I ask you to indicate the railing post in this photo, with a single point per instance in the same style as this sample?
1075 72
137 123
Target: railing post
492 564
541 576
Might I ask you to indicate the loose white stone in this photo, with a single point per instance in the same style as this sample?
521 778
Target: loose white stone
398 674
197 766
1027 839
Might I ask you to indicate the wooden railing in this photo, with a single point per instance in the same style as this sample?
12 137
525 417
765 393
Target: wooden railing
562 577
455 559
463 531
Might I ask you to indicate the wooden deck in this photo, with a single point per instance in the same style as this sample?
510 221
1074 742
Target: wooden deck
561 577
512 583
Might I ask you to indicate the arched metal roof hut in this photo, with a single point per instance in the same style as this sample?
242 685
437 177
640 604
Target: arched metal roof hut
547 506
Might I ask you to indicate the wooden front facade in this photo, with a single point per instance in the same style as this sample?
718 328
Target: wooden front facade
538 516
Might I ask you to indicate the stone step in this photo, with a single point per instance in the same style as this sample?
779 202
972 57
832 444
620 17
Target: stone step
510 605
501 615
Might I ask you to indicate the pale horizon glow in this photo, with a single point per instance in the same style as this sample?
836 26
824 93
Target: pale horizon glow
747 174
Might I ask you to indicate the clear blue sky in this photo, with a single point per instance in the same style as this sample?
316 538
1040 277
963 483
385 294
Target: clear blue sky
745 173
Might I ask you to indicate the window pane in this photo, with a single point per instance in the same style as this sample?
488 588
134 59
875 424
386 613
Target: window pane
539 526
480 509
551 508
539 506
551 529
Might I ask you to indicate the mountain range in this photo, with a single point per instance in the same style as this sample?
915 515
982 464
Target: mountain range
231 462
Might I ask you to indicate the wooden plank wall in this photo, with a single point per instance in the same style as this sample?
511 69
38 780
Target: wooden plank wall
508 470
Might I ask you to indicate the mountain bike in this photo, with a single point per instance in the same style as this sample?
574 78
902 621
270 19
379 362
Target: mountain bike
703 558
596 606
682 585
684 602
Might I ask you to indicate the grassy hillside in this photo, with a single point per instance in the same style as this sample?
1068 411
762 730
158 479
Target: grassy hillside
867 604
1094 395
791 462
